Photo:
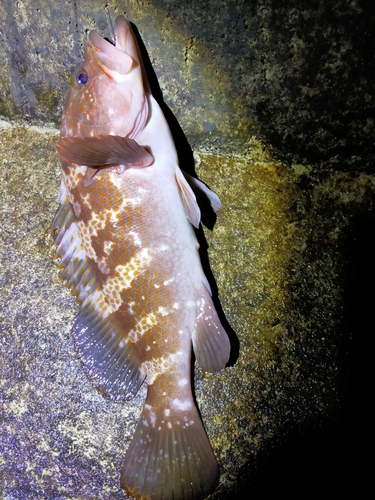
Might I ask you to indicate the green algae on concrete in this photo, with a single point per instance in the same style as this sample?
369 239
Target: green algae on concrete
277 252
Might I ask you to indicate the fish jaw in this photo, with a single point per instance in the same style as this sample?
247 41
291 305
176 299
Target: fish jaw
113 100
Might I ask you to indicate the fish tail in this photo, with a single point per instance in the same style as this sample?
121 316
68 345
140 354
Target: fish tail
170 457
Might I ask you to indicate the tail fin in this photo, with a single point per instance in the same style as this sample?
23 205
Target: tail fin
170 457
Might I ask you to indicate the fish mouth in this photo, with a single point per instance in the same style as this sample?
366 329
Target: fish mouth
109 41
121 56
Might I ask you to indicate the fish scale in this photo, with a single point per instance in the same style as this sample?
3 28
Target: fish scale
128 248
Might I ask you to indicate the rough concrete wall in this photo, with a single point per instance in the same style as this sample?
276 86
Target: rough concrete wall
277 103
301 73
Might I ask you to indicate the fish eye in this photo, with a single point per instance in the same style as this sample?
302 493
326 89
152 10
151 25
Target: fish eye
80 78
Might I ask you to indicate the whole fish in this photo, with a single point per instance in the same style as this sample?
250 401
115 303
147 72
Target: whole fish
125 236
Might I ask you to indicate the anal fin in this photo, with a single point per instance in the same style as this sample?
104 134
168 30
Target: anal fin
210 341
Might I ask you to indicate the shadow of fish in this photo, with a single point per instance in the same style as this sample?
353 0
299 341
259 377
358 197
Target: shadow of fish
131 256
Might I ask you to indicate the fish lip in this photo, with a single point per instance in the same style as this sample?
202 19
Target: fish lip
122 31
109 56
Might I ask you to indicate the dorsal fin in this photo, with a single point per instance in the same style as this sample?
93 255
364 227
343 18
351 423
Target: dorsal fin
109 360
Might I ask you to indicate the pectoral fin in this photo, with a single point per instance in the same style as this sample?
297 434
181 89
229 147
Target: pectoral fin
103 150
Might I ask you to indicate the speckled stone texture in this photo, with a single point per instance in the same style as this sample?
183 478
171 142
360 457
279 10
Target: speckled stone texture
276 101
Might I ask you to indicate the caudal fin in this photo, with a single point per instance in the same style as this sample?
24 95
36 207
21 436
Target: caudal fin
170 457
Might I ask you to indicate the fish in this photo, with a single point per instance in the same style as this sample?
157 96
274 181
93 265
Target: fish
124 232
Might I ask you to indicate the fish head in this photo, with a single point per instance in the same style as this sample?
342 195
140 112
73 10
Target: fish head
107 95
